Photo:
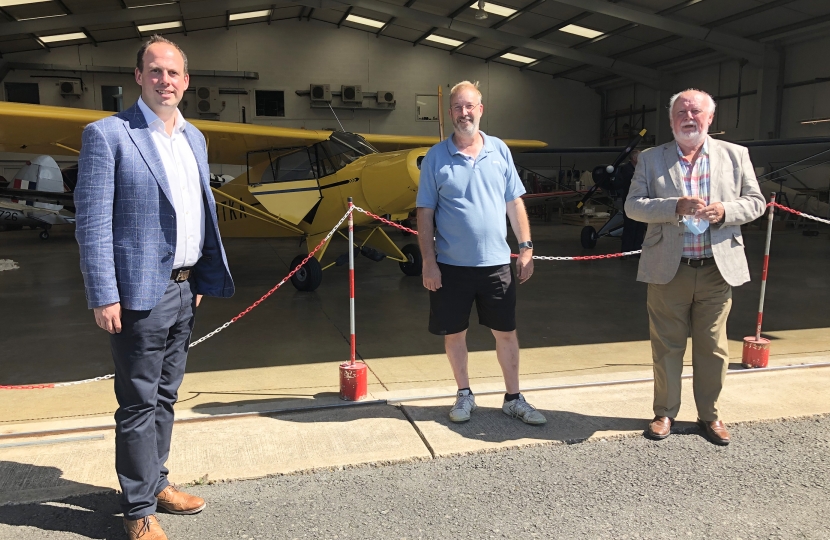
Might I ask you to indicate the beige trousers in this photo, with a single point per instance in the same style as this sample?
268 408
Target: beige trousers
697 303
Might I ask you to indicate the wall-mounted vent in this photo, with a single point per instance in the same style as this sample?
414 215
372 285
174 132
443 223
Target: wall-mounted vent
351 94
207 100
320 93
386 96
70 88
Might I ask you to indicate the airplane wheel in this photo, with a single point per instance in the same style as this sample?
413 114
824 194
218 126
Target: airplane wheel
309 277
414 264
588 237
408 224
44 235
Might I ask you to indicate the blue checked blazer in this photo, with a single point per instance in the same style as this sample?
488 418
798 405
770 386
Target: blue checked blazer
125 222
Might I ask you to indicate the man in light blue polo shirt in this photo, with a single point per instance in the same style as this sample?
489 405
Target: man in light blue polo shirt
468 186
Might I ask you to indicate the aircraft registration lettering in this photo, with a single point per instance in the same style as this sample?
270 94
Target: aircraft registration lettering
230 208
8 216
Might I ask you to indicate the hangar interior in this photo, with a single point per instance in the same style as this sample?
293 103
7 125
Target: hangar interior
570 73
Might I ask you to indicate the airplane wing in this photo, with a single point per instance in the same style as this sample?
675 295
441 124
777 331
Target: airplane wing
390 143
37 196
42 129
45 215
539 199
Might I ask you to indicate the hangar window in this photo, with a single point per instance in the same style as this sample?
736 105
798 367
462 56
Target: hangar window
294 166
426 107
270 103
23 93
112 98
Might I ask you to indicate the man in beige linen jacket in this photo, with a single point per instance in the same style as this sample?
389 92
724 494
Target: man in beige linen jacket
694 192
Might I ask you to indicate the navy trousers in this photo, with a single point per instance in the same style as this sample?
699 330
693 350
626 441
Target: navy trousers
150 355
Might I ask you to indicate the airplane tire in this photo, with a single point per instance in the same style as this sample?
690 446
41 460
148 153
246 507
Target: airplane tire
589 237
408 224
44 235
414 265
309 277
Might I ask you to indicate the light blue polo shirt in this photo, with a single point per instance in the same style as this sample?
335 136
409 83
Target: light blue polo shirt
470 199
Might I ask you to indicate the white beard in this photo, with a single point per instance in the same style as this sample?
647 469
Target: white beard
469 129
694 138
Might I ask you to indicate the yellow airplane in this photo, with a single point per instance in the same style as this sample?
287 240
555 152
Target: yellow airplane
296 182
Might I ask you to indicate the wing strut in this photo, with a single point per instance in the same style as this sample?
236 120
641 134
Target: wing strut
256 212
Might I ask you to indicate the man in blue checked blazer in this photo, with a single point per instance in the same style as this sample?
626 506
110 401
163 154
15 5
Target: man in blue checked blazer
150 249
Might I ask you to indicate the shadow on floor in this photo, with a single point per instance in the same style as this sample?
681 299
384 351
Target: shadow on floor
94 515
488 424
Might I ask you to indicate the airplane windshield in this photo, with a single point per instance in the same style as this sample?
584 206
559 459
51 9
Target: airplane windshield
353 141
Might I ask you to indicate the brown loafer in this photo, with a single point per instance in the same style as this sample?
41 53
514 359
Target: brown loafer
146 528
660 428
715 431
173 501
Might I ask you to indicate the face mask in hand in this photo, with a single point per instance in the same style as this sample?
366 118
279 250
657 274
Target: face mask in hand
695 225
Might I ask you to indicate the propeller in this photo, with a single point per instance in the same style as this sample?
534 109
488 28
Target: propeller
604 173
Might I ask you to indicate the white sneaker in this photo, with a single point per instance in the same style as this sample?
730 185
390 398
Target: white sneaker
465 403
524 411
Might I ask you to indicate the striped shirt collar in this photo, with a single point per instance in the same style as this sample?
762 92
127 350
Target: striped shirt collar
704 151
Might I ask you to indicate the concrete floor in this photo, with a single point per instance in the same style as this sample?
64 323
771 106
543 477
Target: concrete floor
578 322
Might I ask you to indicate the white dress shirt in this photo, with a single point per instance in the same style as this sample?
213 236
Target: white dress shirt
185 186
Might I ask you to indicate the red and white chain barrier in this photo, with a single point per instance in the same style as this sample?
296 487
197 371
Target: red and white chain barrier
798 213
535 257
323 242
205 337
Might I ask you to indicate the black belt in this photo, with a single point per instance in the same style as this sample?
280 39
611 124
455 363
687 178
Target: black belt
697 263
181 274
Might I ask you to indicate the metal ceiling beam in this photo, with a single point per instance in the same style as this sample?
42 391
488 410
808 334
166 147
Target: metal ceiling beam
345 15
171 12
390 21
795 27
728 44
429 32
669 39
647 76
499 24
542 34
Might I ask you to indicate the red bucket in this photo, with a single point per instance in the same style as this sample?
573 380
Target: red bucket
353 381
756 352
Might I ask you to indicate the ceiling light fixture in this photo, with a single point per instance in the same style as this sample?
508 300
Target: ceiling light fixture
490 7
443 40
8 3
152 5
518 58
249 15
62 37
365 21
815 121
580 31
44 17
159 26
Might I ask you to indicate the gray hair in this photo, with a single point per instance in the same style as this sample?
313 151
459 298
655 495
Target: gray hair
709 99
155 38
464 85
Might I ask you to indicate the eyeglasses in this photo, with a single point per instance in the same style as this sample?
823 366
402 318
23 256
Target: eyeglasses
458 109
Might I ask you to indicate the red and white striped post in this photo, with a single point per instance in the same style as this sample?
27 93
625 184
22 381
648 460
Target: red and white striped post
353 375
756 348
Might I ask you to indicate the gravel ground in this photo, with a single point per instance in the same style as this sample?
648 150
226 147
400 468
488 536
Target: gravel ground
771 482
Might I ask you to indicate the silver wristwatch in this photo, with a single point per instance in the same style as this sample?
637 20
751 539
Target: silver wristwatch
526 245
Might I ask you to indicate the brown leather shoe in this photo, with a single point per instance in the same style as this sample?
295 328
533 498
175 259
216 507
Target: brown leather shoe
715 431
173 501
660 428
146 528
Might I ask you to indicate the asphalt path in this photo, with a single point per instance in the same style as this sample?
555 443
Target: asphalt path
772 482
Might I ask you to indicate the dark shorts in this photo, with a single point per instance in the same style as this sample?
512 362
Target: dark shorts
493 288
